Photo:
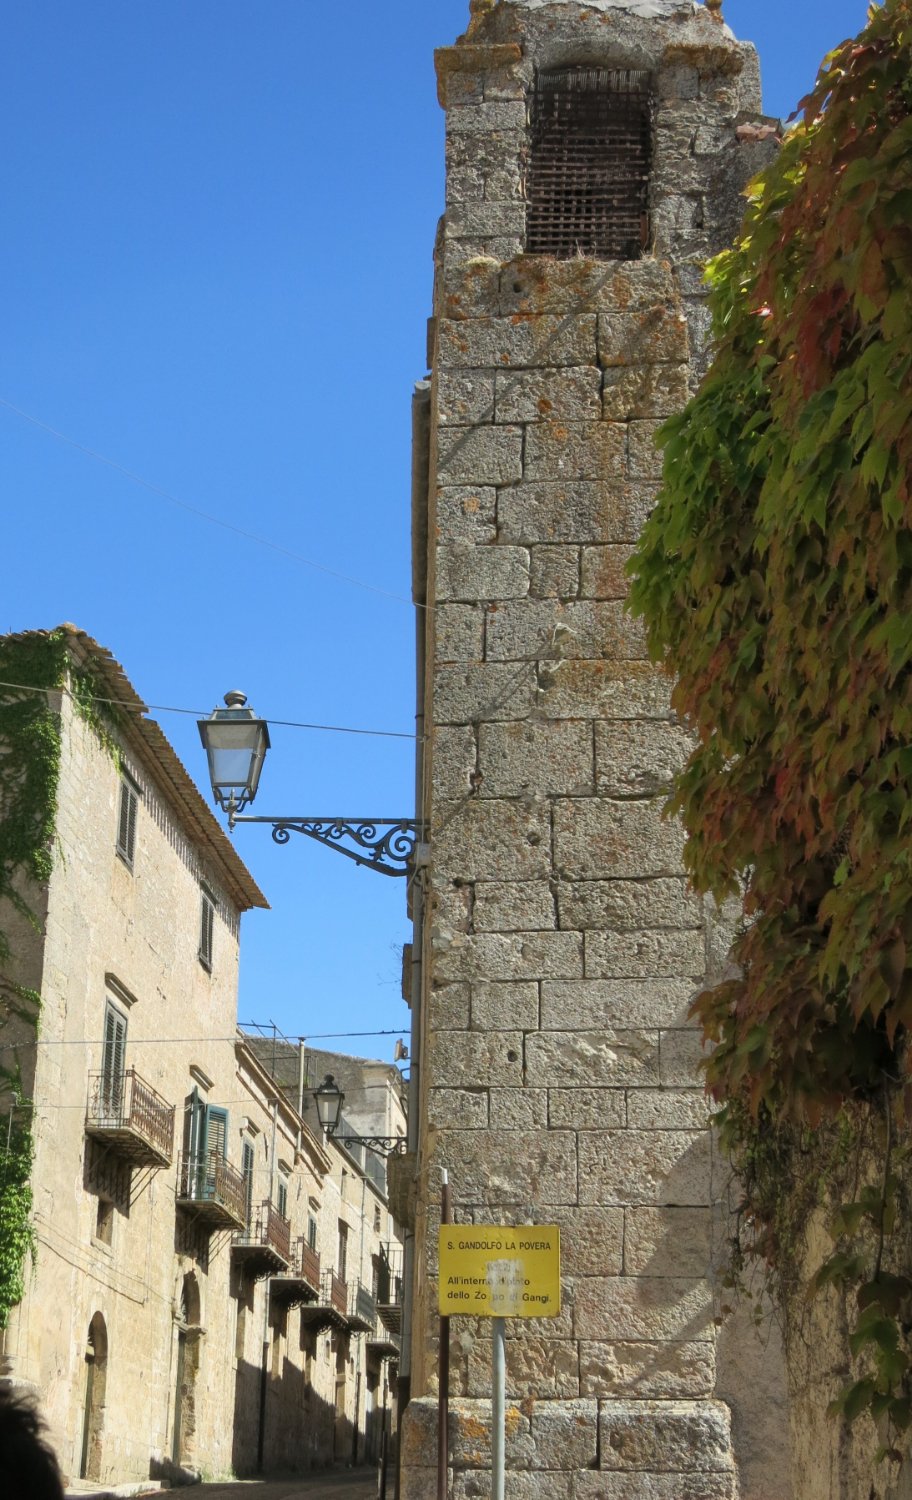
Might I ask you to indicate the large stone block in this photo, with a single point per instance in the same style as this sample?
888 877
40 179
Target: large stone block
669 1109
475 1059
538 1369
540 284
464 397
519 1109
587 1109
611 955
604 690
494 840
602 572
554 572
567 395
592 1241
486 119
586 628
458 1109
613 1059
654 1308
510 1166
565 1434
475 1484
501 955
637 759
479 455
459 634
530 756
471 573
629 905
514 906
470 289
650 1371
589 1004
645 458
598 838
634 392
516 343
453 761
467 514
681 1055
487 220
574 512
665 1436
463 695
667 1241
505 1007
644 336
575 451
644 1166
646 1485
448 1007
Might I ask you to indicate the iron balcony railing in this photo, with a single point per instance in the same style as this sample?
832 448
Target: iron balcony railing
267 1230
214 1187
128 1113
308 1264
334 1292
362 1309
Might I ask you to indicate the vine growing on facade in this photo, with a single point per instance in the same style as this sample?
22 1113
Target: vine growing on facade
29 778
775 579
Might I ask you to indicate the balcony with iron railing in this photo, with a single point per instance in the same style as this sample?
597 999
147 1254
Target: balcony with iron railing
362 1309
263 1246
300 1281
213 1190
331 1307
127 1114
389 1290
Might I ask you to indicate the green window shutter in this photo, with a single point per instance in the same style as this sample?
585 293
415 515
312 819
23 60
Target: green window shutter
247 1161
216 1131
207 923
282 1203
126 823
113 1059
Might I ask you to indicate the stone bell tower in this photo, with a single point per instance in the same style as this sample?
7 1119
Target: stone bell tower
594 162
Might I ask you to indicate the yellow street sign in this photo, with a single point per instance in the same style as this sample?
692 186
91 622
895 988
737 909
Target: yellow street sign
490 1271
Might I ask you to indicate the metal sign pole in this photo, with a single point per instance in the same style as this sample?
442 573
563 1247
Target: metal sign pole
498 1406
443 1402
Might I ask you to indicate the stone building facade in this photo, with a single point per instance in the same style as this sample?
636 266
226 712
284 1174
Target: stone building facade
200 1297
594 162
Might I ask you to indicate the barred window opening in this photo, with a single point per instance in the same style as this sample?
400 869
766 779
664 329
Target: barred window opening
588 180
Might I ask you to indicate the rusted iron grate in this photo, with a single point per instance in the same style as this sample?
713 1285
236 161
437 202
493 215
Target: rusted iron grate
589 170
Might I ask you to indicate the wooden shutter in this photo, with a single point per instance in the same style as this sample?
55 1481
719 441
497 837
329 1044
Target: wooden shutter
247 1159
282 1203
113 1059
207 917
126 825
216 1131
588 180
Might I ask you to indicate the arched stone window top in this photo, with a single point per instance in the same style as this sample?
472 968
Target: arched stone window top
588 179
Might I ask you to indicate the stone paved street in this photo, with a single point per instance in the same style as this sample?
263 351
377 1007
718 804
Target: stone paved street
358 1484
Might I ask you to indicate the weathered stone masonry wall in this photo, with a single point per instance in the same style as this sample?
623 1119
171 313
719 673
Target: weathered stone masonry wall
562 945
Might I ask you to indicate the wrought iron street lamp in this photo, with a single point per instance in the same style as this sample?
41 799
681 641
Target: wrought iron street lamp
329 1099
236 742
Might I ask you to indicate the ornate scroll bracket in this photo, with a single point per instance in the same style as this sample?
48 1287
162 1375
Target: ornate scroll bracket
387 845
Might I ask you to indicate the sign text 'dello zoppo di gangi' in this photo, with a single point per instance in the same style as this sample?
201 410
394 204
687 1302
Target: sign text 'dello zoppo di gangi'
495 1272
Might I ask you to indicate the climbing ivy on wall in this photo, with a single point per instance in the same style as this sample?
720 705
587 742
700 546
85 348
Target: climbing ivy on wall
29 777
775 579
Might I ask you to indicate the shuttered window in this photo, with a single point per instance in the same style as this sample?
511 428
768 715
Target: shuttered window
588 179
126 822
113 1060
207 920
282 1197
247 1160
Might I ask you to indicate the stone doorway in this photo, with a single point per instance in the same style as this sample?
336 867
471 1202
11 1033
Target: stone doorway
96 1375
186 1366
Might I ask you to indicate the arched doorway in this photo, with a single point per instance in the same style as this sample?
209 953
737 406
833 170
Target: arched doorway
96 1375
186 1365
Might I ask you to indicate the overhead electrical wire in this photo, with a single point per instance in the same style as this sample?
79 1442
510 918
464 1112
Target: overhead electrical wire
200 713
203 515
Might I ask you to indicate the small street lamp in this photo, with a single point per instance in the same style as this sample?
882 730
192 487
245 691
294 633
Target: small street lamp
329 1099
236 742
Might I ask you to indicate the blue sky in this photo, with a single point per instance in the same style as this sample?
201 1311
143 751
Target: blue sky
216 272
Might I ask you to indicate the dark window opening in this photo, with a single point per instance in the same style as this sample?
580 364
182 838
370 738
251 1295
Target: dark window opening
588 180
104 1221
